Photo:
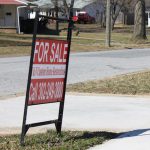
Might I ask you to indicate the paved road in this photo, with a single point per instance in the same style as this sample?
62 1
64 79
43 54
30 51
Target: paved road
83 66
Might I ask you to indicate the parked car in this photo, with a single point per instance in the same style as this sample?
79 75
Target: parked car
85 18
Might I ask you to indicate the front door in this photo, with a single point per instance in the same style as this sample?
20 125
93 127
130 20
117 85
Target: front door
10 16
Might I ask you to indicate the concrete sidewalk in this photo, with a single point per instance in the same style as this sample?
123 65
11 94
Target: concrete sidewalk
134 140
92 113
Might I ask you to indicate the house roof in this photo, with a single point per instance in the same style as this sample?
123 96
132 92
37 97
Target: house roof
12 2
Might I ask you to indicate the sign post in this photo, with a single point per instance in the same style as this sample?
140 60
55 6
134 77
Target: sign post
48 73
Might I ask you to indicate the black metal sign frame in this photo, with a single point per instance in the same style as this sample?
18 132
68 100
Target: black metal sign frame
57 122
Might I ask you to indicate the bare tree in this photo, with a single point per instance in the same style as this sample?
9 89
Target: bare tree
112 11
66 8
60 6
139 21
117 7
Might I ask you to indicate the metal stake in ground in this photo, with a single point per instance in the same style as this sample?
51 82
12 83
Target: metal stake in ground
24 127
35 80
69 37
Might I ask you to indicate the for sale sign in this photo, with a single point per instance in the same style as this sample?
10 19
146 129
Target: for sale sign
48 71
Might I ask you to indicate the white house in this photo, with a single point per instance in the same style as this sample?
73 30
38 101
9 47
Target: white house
148 16
147 2
9 12
12 11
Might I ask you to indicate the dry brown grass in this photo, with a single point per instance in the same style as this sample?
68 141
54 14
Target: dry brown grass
15 51
131 84
90 38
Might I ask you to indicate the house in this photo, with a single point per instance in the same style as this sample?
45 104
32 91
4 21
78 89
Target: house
9 13
12 12
148 12
148 16
95 9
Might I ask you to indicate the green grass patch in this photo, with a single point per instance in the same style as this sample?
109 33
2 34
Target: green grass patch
70 140
131 84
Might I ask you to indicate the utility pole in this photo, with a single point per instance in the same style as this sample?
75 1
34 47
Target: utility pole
108 24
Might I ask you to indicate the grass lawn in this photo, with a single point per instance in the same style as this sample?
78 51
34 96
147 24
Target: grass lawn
70 140
131 84
15 51
90 38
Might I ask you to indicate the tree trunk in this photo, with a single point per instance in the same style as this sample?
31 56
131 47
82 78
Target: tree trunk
113 21
103 22
139 21
66 7
115 14
108 24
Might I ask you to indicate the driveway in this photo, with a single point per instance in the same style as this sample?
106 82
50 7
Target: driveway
83 67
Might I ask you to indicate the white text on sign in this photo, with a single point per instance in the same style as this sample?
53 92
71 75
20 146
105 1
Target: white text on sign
50 52
48 71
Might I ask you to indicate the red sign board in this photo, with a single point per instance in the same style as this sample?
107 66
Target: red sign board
48 71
